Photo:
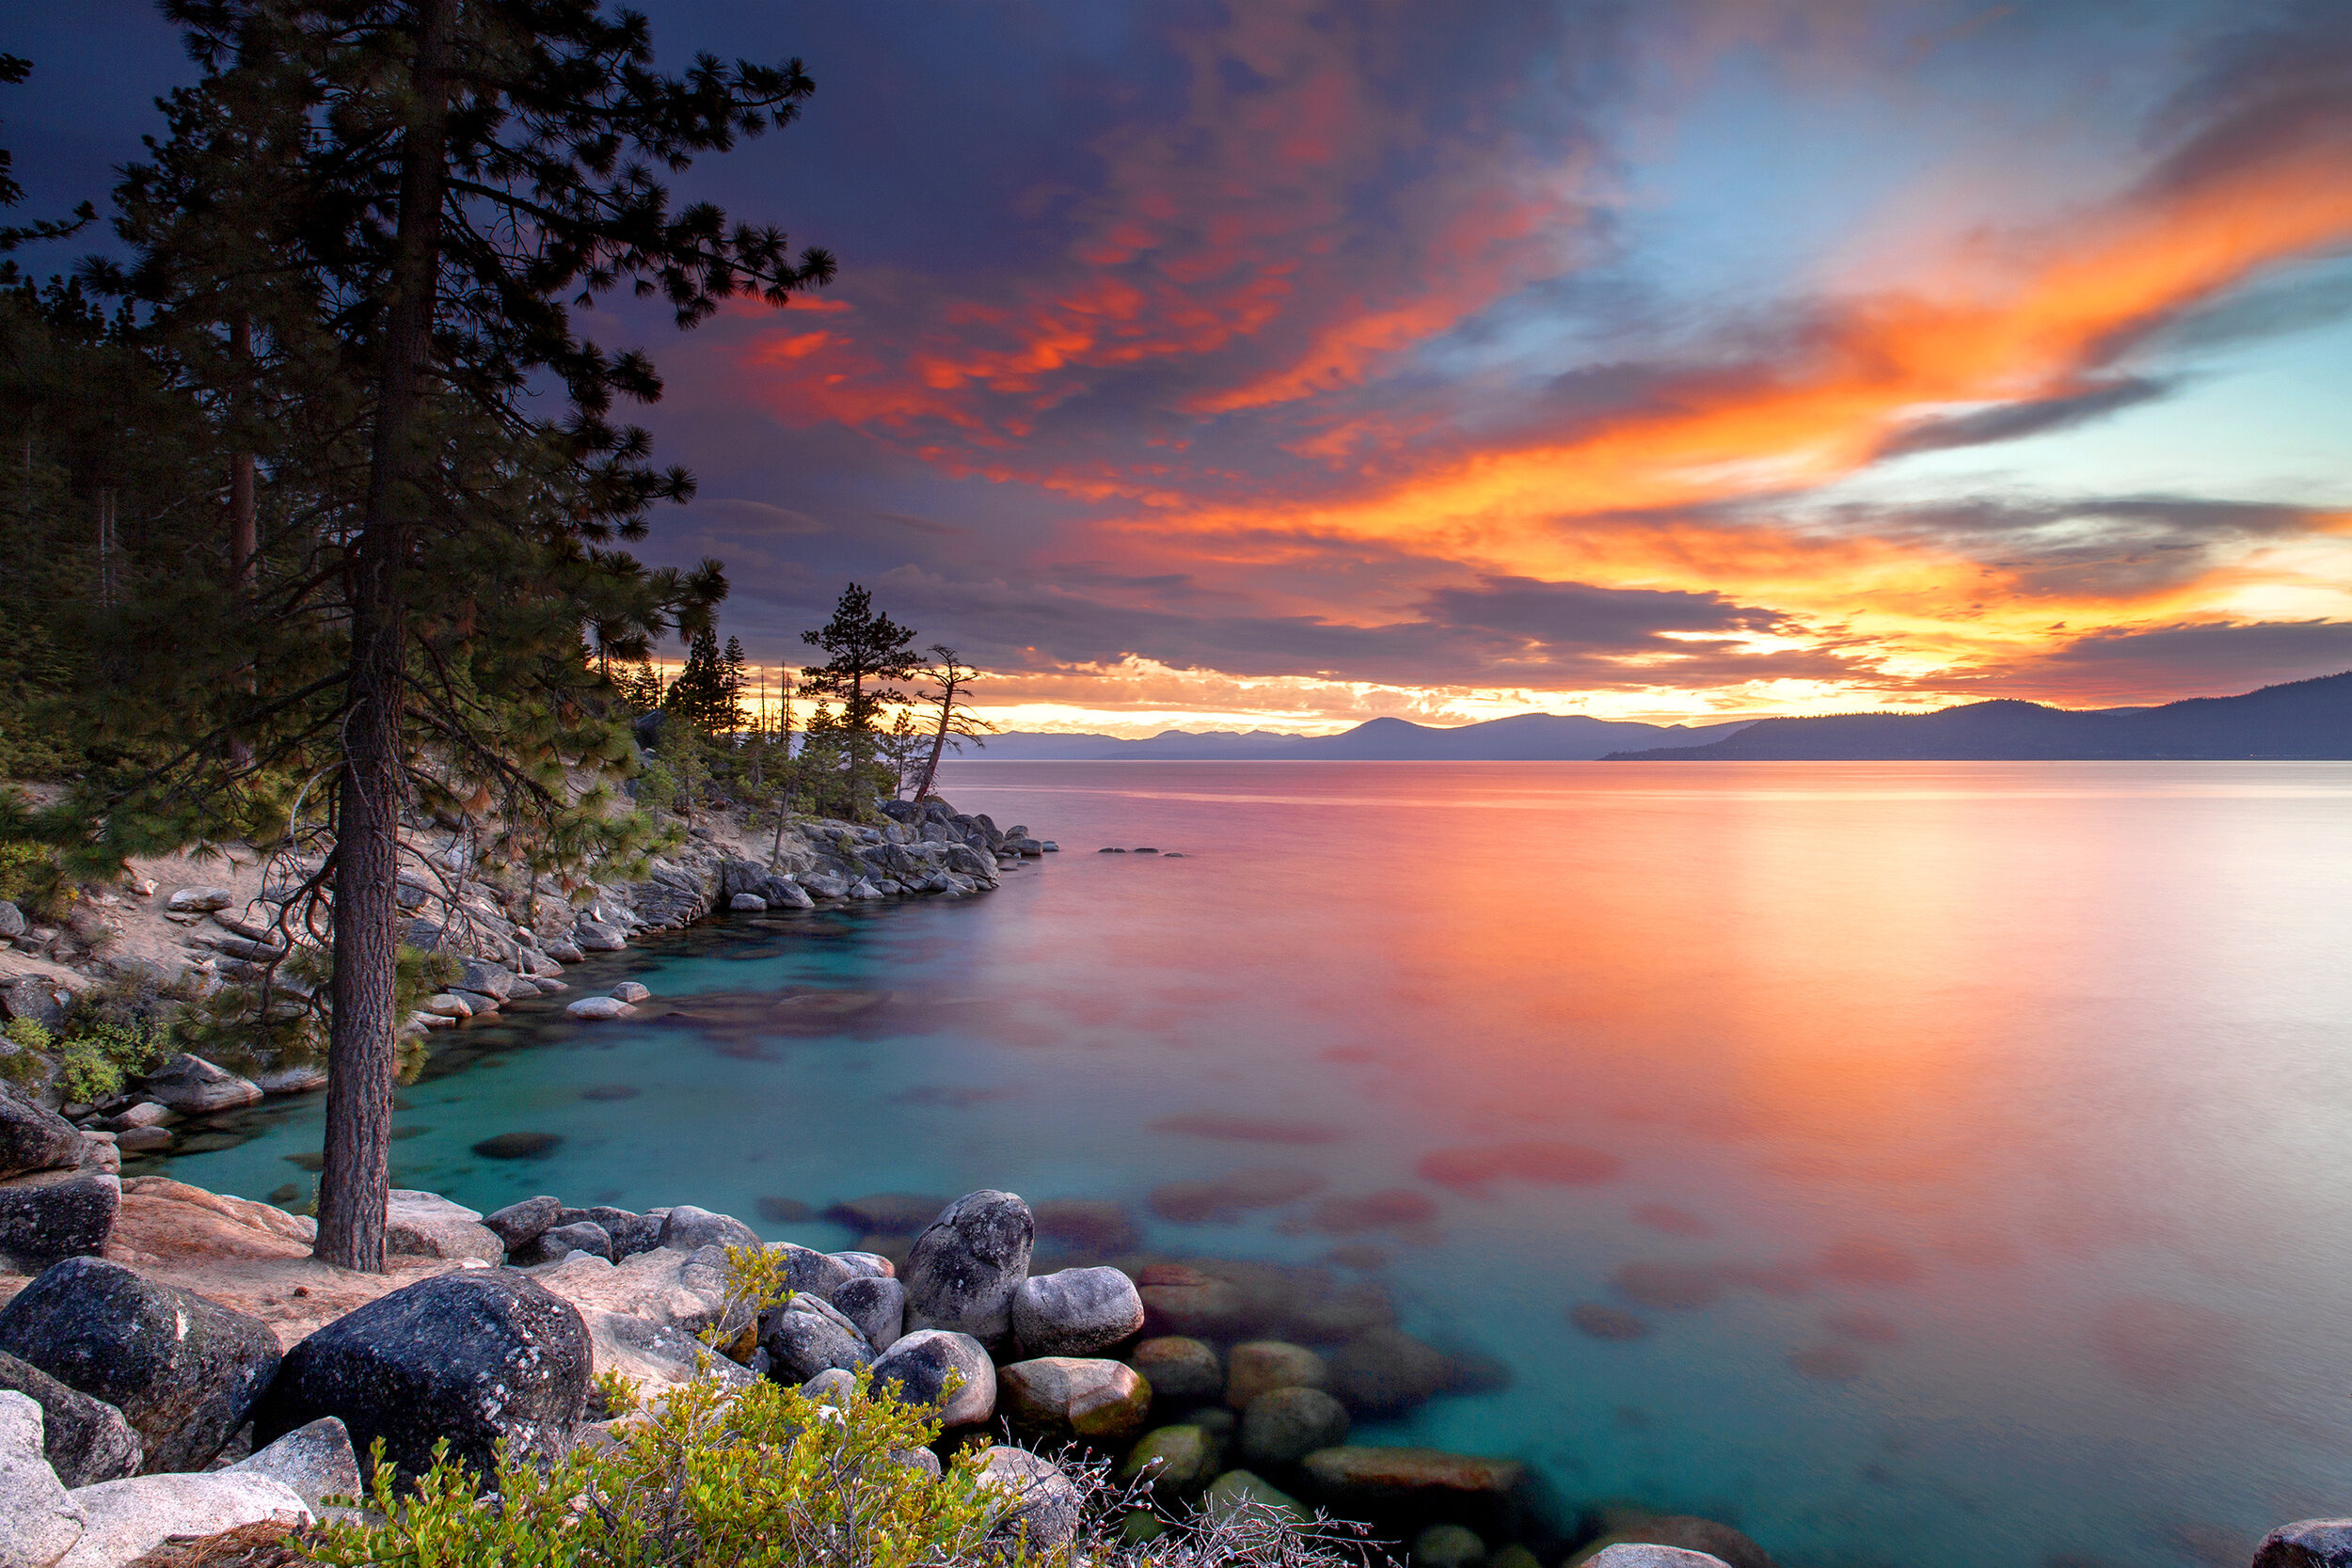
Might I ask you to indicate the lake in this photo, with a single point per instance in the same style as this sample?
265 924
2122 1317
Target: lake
1967 1147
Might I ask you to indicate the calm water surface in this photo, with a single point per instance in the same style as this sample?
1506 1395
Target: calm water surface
1996 1117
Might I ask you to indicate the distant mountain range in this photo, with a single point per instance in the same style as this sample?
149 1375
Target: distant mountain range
2310 719
1524 738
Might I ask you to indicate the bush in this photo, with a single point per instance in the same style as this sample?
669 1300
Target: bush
763 1478
31 879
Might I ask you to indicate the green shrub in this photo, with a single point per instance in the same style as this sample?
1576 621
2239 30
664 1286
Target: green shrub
760 1478
31 879
94 1059
28 1033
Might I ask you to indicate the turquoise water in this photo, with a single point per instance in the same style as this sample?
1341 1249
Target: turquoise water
1971 1140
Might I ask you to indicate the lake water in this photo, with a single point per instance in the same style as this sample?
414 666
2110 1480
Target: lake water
1974 1141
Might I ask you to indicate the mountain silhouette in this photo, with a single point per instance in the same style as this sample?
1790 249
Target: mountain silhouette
1522 737
2307 720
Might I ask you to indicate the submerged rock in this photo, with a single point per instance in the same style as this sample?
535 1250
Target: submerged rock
1177 1461
1262 1366
1287 1425
1067 1396
2309 1544
1179 1370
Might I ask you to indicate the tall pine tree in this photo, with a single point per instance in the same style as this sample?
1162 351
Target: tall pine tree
868 651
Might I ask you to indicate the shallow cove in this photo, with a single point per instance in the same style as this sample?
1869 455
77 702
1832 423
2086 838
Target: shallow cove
1950 1158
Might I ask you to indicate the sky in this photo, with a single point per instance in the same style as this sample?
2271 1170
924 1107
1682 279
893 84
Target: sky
1284 365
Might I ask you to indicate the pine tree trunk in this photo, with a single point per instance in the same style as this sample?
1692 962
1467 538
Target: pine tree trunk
938 742
361 1051
243 539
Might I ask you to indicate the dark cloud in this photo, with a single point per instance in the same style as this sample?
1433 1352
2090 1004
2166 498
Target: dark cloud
2015 421
2165 663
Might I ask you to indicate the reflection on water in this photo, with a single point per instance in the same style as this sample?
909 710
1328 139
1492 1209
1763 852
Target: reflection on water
1934 1163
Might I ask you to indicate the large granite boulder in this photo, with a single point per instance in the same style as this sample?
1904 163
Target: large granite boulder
194 1087
2309 1544
314 1462
1685 1532
184 1372
877 1304
1069 1396
426 1224
86 1440
807 1336
518 1224
1075 1312
54 1215
34 1138
1042 1505
1634 1555
688 1228
39 1522
480 1358
923 1363
128 1518
686 1290
813 1272
655 1357
964 1270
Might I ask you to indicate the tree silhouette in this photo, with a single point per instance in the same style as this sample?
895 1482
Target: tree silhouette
868 650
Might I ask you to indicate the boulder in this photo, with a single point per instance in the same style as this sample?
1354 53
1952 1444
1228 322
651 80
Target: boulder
863 1265
1075 1312
1448 1547
1262 1365
426 1224
1287 1425
833 1387
559 1242
34 1138
2311 1543
39 1522
1042 1507
563 950
85 1440
130 1518
1069 1396
631 990
200 900
12 921
51 1215
305 1078
479 1357
748 903
519 1223
1198 1307
653 1356
314 1462
184 1372
484 978
1360 1476
194 1087
877 1304
630 1234
780 893
595 936
965 1269
595 1008
685 1291
1236 1490
818 1274
1686 1532
1178 1460
808 1336
922 1363
1181 1370
1636 1556
31 996
688 1228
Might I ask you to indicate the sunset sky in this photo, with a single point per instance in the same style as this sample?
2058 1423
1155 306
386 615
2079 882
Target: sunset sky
1283 365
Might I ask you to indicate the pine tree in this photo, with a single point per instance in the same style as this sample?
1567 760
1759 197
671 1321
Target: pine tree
733 664
698 698
868 650
471 170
